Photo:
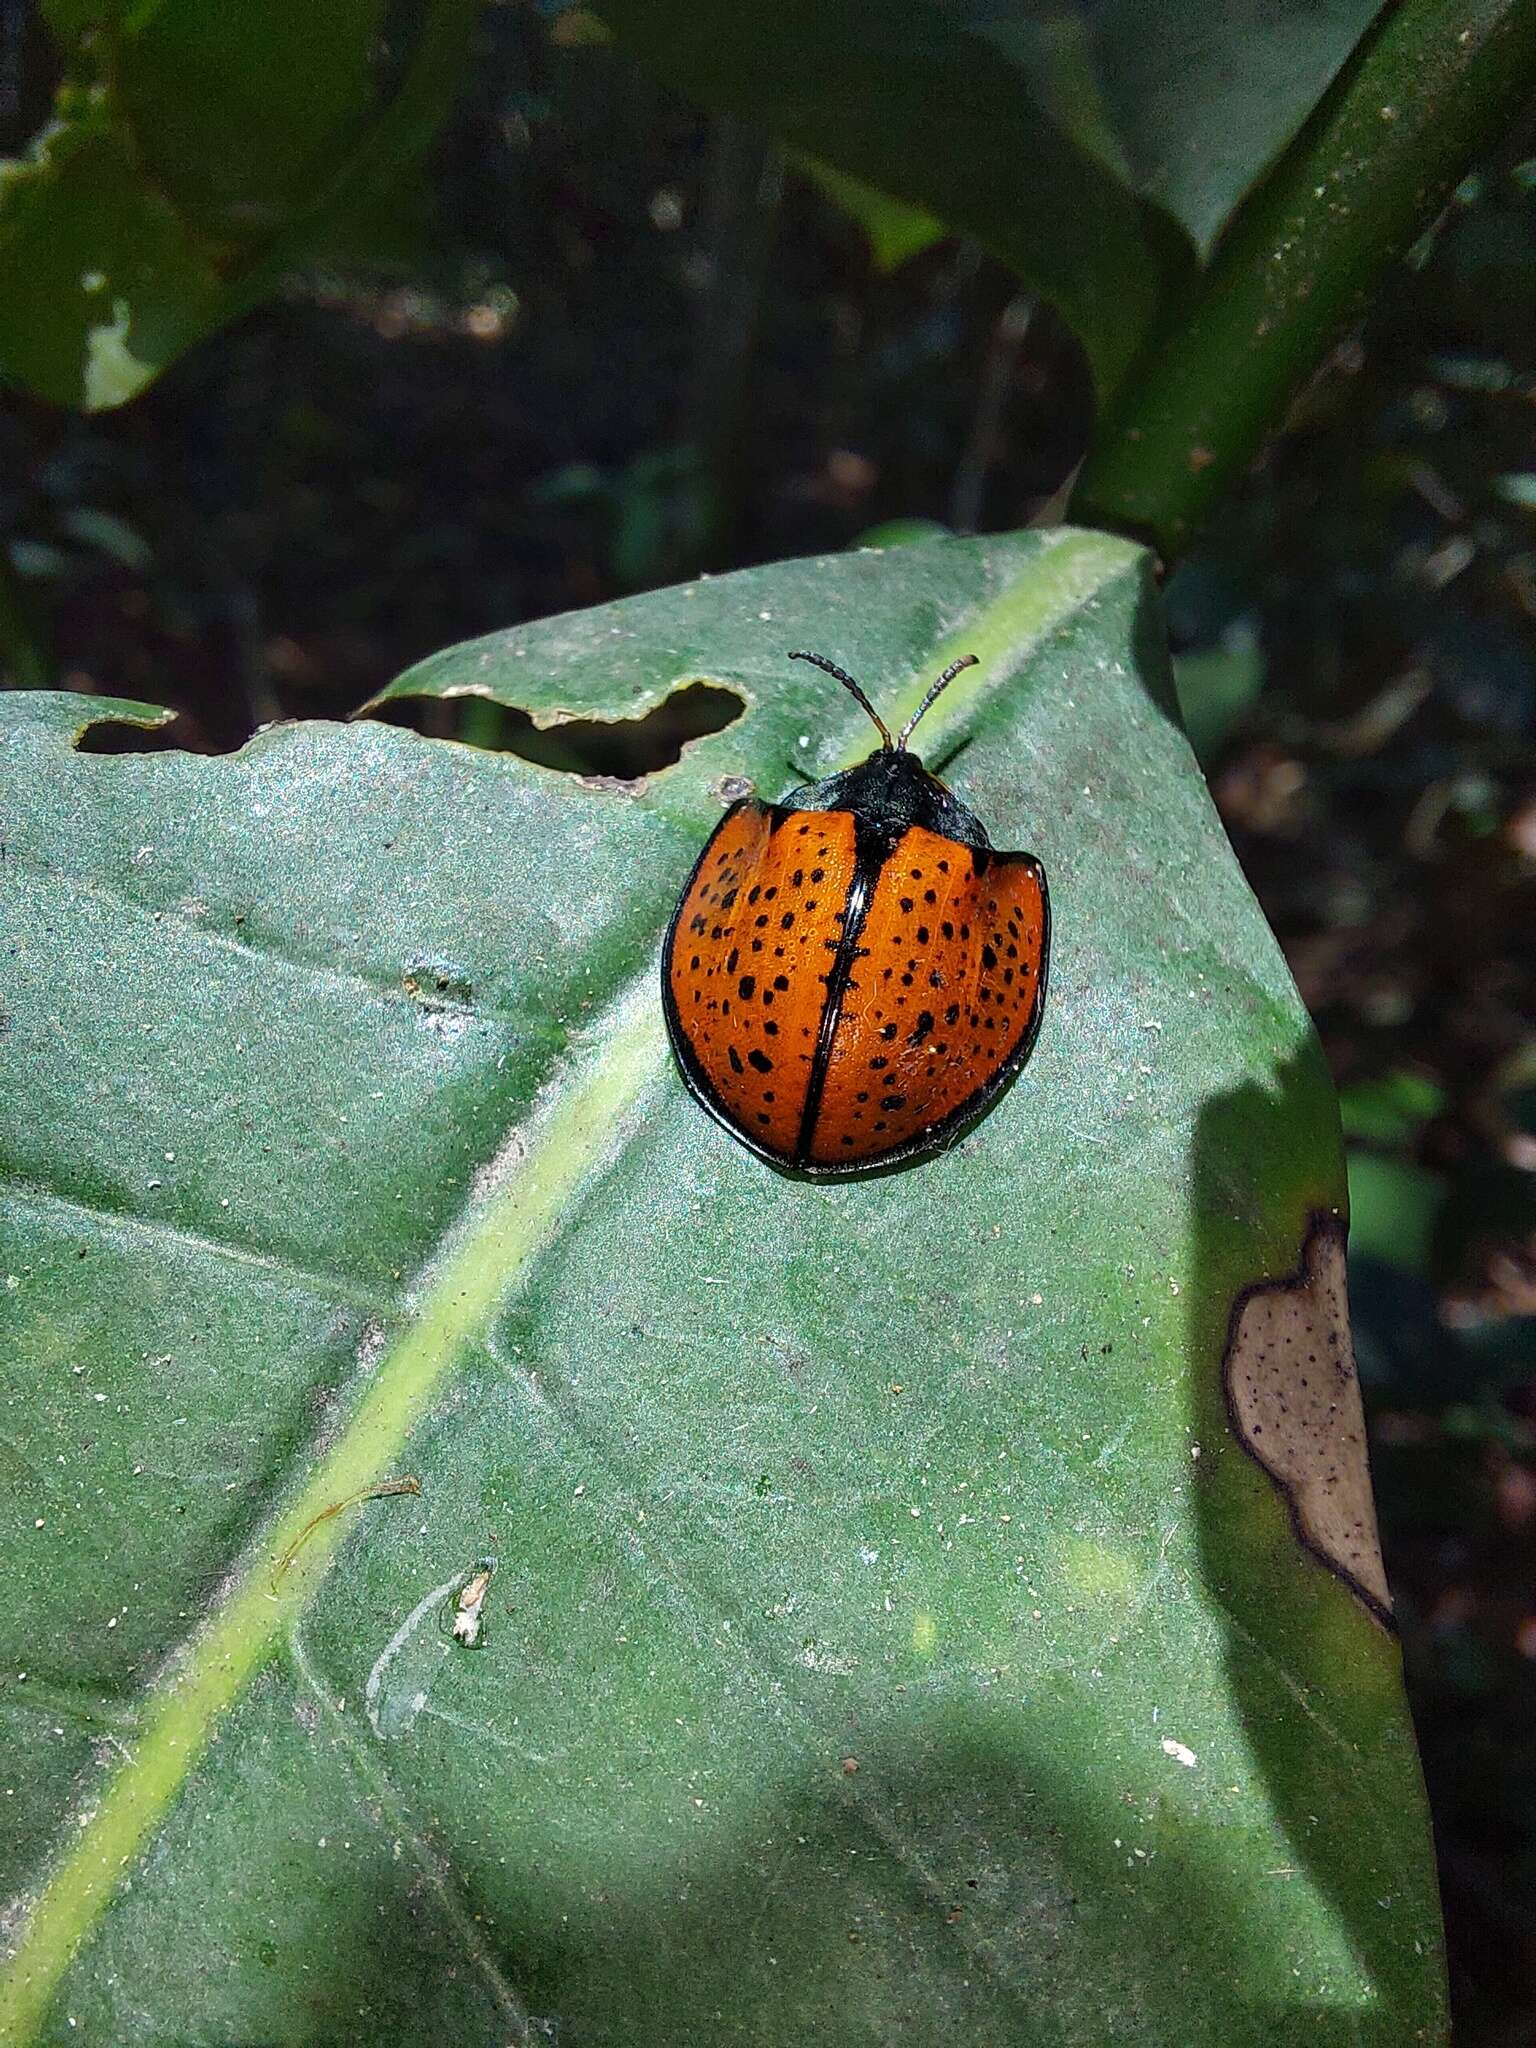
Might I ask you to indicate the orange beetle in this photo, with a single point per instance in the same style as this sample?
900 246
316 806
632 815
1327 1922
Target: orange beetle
854 974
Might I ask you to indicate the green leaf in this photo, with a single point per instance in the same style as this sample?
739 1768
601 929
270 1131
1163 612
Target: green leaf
1394 1208
890 1634
1100 160
1217 686
899 533
1193 114
101 283
183 179
1430 94
240 112
896 232
1390 1109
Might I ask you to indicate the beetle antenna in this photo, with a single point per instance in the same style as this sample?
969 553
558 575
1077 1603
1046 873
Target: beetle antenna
820 661
965 661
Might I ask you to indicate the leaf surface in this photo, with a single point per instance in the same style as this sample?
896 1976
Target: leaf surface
891 1635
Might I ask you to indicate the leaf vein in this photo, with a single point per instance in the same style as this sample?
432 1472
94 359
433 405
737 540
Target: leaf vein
98 1216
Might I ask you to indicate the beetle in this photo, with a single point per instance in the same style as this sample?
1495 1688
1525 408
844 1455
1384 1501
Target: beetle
854 974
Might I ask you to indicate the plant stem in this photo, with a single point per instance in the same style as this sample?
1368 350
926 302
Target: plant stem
746 185
25 660
1434 87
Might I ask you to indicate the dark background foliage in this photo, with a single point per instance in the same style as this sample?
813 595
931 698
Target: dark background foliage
633 344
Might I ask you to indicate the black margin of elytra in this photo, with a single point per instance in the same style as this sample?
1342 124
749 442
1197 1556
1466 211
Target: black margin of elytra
1320 1223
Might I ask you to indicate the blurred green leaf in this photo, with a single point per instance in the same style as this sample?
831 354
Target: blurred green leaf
1191 114
72 18
890 1637
1391 1108
108 535
1393 1210
1097 159
196 156
239 114
1431 90
101 284
899 533
896 231
1217 685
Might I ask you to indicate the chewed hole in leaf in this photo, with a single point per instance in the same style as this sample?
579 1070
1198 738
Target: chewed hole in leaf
127 736
624 749
440 982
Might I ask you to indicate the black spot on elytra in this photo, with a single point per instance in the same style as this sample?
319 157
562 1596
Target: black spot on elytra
735 1059
746 988
760 1060
921 1028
